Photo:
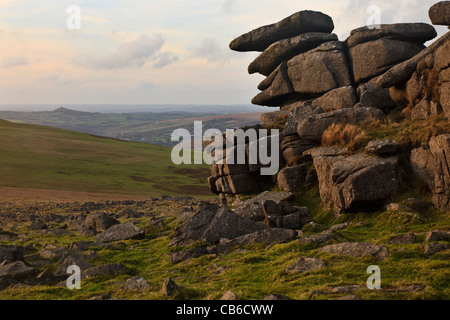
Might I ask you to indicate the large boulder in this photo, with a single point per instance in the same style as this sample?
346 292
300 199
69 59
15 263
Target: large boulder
440 13
370 59
431 164
253 208
212 223
313 127
100 222
298 23
229 225
357 181
414 32
286 49
310 74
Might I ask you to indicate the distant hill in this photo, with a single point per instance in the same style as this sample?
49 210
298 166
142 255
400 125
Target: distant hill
34 156
149 127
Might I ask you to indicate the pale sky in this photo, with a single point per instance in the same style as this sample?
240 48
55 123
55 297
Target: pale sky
152 51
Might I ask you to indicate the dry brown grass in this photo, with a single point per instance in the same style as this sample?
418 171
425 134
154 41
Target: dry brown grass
344 134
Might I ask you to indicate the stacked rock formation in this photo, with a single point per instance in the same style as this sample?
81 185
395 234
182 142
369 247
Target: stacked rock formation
318 81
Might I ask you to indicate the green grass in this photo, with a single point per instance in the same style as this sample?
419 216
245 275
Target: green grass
258 270
33 156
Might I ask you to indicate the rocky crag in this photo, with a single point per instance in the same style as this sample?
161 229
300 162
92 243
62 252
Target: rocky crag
333 95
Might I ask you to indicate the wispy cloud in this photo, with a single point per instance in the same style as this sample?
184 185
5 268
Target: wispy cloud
131 54
11 62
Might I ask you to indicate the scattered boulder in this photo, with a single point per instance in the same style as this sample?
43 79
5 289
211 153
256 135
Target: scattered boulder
37 225
136 284
438 235
51 252
70 260
358 250
435 247
274 297
187 254
298 23
120 232
319 238
403 239
253 208
169 287
11 253
229 295
440 13
268 236
7 236
18 271
100 222
306 264
104 270
229 225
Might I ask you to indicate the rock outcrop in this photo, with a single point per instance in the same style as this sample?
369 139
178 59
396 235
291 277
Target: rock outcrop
377 77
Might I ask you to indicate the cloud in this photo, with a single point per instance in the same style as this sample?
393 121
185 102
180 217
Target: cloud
211 50
164 59
131 54
12 62
230 6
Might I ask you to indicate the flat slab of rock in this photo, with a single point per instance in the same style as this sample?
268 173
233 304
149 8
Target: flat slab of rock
358 250
298 23
415 32
268 236
306 264
286 49
126 231
6 235
440 13
435 247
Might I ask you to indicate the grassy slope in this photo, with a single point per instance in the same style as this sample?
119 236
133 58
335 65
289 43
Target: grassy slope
33 156
258 270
